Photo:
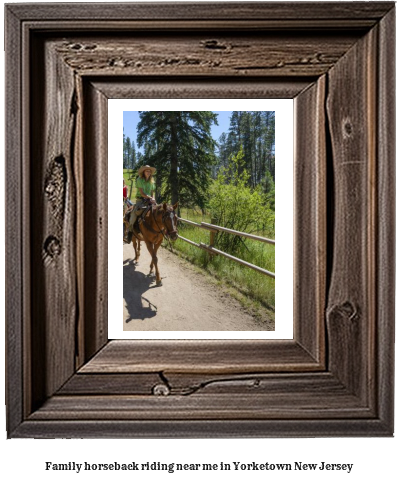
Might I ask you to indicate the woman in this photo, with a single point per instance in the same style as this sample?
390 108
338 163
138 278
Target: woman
126 200
145 187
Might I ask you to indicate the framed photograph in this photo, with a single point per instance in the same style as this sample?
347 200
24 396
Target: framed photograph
247 161
65 377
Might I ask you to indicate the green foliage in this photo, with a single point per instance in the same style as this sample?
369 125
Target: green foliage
268 188
234 204
180 146
129 153
254 132
257 287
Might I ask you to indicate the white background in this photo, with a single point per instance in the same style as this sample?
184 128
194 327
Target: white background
23 461
284 213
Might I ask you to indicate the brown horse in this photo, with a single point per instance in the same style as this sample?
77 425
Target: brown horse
157 222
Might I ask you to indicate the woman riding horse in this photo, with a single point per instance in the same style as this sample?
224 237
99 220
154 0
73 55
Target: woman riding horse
157 222
145 192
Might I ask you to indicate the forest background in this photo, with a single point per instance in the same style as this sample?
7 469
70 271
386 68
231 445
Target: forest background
228 180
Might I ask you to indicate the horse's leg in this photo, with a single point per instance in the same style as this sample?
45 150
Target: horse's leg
152 262
134 243
136 246
152 249
155 259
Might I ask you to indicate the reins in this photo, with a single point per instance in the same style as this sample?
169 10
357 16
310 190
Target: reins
161 231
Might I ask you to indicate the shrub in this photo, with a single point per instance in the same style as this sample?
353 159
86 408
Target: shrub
234 204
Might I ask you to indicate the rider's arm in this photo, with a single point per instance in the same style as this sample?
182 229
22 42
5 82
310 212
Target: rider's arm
145 195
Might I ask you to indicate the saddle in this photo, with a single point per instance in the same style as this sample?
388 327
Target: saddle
141 214
143 210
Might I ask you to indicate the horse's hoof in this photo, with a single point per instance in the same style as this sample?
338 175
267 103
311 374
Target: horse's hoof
159 283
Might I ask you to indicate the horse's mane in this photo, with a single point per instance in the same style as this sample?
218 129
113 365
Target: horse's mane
161 206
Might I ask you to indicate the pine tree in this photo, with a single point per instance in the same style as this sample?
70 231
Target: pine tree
223 155
125 163
180 146
253 133
127 153
133 156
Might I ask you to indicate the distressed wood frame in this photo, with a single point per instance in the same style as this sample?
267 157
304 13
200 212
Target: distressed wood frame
64 378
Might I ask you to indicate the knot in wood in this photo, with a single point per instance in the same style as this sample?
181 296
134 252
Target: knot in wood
214 44
50 188
161 390
347 128
52 246
349 310
54 189
346 310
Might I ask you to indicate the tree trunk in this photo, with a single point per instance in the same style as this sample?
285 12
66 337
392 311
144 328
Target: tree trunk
174 177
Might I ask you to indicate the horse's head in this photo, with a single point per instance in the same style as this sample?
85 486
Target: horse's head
169 219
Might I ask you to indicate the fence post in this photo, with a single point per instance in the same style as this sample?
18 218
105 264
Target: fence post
212 237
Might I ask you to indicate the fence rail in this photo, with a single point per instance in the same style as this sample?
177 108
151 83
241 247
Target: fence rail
236 232
212 250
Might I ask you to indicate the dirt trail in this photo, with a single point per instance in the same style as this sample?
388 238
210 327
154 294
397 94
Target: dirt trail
187 300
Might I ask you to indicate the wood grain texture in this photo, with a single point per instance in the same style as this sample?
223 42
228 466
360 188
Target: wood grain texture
351 306
310 200
78 174
112 384
190 428
176 87
200 356
53 209
269 396
385 245
278 11
204 407
242 54
335 377
95 203
15 220
184 383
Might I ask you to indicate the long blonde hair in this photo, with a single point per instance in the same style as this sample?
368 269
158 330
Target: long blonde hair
151 178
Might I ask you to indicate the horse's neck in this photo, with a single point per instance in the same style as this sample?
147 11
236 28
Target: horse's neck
154 217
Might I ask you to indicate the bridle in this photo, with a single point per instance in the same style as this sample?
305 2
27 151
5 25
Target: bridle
171 214
166 234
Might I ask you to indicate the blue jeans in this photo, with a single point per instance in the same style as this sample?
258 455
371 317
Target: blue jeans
133 215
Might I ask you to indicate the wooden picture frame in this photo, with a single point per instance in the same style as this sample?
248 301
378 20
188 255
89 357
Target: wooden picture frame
335 378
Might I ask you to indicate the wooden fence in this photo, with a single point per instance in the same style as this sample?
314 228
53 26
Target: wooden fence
212 250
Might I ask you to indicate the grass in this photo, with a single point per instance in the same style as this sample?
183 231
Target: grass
248 283
252 289
126 177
